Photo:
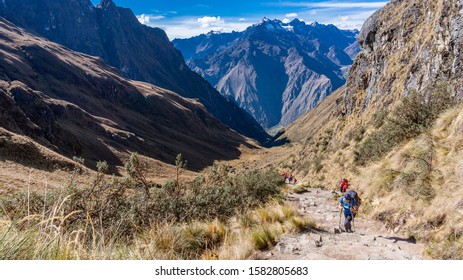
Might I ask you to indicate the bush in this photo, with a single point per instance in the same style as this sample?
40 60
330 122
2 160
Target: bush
413 116
118 209
356 134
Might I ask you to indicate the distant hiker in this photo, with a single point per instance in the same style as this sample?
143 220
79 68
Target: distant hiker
294 181
343 185
290 179
285 176
347 204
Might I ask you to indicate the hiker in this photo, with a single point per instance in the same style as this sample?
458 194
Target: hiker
343 185
285 176
347 204
290 179
294 181
358 201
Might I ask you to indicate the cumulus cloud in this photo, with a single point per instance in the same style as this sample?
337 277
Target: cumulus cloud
344 18
330 4
242 19
211 22
144 19
291 15
147 19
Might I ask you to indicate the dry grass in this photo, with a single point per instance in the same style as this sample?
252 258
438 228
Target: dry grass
115 219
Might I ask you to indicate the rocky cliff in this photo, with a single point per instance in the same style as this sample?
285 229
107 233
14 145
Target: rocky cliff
138 52
276 71
407 45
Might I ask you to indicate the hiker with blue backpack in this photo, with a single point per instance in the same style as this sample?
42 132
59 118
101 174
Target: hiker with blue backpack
349 203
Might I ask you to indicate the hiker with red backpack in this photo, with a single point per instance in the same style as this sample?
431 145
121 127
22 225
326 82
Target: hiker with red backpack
343 185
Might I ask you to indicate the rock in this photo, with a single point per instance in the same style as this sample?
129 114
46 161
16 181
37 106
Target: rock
269 254
280 247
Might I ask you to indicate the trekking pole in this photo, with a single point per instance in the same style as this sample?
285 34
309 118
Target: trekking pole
353 221
340 214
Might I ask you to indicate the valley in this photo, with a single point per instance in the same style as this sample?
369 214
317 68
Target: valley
111 147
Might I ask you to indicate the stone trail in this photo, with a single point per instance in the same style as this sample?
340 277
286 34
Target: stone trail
370 241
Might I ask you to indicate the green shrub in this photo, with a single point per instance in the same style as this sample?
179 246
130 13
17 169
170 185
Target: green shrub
414 115
356 134
118 209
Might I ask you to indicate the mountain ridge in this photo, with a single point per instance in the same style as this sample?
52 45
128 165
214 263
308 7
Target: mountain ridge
288 68
77 105
138 52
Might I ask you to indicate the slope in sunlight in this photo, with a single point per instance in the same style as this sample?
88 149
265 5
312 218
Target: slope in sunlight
139 52
78 106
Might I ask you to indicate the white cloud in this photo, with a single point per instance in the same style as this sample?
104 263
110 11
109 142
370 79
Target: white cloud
291 15
344 18
286 20
146 19
186 27
242 19
211 22
330 4
157 17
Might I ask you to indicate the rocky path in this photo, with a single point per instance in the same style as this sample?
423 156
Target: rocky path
371 240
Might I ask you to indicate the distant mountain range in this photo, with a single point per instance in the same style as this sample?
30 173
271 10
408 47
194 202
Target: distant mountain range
276 71
138 52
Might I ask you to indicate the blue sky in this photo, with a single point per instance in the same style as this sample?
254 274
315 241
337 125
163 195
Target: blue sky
183 19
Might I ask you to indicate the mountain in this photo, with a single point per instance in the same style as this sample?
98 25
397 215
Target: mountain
276 71
76 105
138 52
403 50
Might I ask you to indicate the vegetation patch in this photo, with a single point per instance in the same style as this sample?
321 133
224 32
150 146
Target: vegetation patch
414 115
214 216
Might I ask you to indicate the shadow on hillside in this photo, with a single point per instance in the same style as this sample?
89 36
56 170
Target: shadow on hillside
276 141
411 239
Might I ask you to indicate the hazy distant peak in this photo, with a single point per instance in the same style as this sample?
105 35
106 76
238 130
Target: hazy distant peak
296 21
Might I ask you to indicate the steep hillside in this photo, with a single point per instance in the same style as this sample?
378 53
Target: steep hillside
76 105
395 129
408 45
276 71
139 52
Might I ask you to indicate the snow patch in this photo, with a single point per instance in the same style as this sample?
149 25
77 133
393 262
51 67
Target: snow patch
289 28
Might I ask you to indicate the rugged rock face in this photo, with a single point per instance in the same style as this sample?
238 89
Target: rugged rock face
139 52
407 45
275 71
76 105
